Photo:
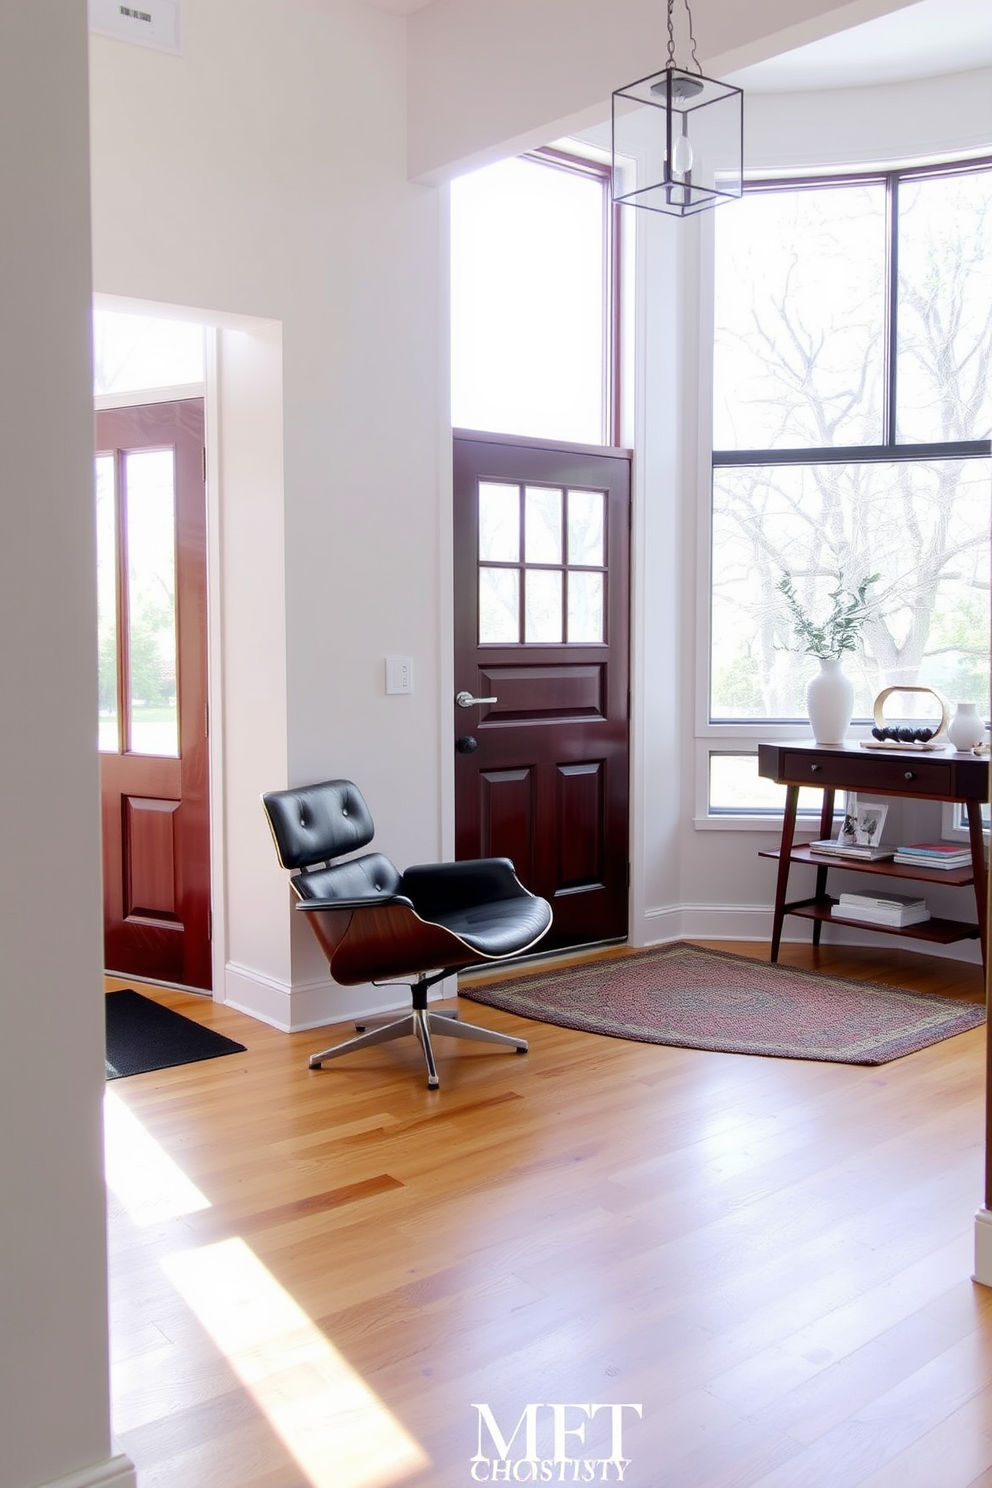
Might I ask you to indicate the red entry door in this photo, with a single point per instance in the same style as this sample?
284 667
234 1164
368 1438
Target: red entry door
541 542
151 551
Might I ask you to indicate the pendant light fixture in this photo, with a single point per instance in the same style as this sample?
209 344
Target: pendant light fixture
678 137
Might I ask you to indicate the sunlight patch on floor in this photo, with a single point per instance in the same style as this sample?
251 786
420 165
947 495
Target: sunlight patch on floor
339 1432
140 1173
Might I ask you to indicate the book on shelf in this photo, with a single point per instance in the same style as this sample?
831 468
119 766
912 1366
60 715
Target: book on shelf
894 910
934 854
835 847
935 849
915 860
895 919
883 900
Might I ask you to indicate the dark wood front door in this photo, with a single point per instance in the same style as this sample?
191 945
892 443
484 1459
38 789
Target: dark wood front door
541 544
151 550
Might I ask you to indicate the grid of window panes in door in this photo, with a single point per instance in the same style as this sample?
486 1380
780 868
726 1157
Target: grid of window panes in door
852 415
542 564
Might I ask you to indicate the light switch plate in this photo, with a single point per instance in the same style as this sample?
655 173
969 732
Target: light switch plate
150 23
399 673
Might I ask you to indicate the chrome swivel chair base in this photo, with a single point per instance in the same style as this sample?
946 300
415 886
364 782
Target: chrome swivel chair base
421 1022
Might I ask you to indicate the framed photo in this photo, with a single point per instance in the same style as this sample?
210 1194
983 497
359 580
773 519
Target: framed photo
869 821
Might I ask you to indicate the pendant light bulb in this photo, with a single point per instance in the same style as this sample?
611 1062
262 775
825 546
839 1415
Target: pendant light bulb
681 155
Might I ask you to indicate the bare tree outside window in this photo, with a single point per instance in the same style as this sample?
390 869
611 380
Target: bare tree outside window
851 424
800 316
944 338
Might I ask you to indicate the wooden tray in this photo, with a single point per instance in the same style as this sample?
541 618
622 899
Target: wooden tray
917 747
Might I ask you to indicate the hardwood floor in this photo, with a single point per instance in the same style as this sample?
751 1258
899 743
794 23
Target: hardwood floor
771 1258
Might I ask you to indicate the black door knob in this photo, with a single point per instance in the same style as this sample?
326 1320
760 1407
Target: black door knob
466 744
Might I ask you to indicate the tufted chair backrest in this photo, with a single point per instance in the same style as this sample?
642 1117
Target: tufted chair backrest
315 823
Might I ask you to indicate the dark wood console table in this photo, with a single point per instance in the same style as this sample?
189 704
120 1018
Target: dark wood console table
933 775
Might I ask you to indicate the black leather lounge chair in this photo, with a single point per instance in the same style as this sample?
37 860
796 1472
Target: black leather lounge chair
378 925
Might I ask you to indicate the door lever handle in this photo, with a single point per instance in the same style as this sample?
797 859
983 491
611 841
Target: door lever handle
466 700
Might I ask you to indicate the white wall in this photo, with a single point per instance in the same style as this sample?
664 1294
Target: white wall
263 174
249 747
54 1416
489 80
661 640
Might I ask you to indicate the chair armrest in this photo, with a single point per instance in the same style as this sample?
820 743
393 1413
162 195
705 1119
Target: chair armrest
439 888
373 901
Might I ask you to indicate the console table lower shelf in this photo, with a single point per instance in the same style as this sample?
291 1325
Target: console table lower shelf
822 910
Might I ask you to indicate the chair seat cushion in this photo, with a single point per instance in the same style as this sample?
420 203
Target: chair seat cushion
500 928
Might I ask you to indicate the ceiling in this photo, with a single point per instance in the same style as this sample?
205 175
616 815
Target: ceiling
399 7
922 40
930 37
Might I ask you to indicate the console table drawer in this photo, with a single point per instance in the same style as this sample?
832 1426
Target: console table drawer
917 776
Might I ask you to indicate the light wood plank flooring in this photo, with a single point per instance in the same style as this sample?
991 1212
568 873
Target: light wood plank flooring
772 1258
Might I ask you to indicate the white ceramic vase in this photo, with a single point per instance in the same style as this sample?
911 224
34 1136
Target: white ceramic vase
830 702
966 729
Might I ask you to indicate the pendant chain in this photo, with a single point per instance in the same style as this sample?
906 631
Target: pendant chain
671 39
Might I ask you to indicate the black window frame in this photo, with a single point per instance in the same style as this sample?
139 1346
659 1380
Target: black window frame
601 171
889 449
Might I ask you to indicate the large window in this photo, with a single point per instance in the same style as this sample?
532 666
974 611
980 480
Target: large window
533 340
852 418
135 352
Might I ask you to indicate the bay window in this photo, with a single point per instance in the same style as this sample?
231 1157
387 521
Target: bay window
852 413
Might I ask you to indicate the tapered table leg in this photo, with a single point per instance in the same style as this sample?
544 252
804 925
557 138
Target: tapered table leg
826 827
977 838
785 851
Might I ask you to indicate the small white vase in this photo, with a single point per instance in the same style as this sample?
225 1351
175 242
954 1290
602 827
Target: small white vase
830 702
965 729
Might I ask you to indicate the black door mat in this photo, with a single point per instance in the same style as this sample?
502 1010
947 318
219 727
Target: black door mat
142 1035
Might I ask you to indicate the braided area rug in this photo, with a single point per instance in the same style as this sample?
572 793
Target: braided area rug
694 998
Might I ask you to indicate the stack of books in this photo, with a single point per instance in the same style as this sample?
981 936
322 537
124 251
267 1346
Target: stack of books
894 910
839 847
934 855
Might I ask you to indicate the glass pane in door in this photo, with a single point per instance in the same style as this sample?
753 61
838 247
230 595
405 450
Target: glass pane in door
543 606
587 528
499 606
542 531
108 736
499 523
150 518
585 607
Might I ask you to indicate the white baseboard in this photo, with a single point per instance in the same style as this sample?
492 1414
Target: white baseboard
321 1002
311 1004
257 995
734 922
983 1247
704 922
116 1472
